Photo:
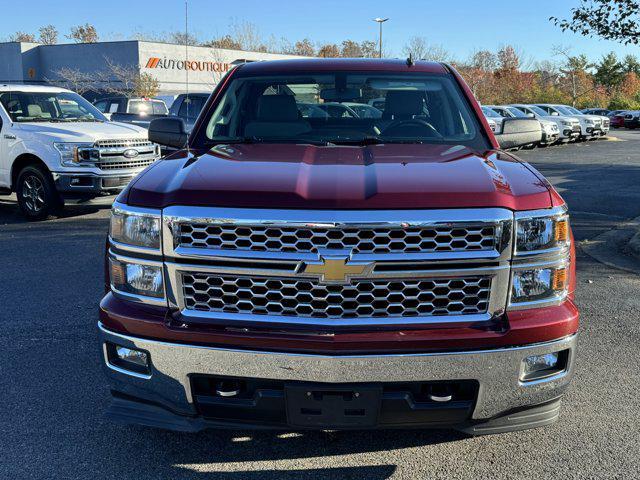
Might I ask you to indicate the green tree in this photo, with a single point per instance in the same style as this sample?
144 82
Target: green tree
617 20
631 64
609 72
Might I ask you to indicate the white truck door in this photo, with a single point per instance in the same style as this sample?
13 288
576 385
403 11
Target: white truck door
6 136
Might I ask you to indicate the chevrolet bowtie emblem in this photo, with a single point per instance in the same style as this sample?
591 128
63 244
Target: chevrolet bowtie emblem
332 269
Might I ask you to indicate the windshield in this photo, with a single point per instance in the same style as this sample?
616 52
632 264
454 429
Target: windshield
563 110
147 107
516 112
344 108
490 113
573 111
49 107
537 110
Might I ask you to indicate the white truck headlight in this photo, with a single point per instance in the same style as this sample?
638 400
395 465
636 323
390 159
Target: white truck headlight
535 233
134 278
135 227
69 152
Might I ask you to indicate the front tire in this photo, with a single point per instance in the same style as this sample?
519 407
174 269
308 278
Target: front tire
38 198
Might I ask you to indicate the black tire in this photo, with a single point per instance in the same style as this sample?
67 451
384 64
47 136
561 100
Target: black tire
38 198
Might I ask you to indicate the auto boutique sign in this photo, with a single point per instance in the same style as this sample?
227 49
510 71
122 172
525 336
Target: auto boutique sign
192 65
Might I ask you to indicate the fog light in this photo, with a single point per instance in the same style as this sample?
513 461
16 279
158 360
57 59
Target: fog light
131 355
536 367
129 359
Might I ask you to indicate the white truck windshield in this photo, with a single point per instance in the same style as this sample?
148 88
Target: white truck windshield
49 107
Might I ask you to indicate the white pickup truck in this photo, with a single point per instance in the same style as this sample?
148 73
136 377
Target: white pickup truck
55 145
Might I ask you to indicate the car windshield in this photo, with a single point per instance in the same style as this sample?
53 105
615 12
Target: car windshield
563 110
537 110
339 108
49 107
516 112
147 107
573 111
490 113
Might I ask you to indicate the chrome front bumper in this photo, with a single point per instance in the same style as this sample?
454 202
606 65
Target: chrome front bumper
497 371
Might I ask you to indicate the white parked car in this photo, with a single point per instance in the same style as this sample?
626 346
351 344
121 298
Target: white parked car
550 130
56 145
569 127
493 116
605 124
590 125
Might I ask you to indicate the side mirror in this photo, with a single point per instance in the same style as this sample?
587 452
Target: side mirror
518 132
169 132
531 115
555 114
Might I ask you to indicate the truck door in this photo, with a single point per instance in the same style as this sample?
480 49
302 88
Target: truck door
5 136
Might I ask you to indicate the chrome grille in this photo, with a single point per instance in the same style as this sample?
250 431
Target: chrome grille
212 292
126 143
371 240
125 164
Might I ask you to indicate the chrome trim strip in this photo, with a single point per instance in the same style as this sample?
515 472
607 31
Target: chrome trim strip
240 319
127 209
497 370
135 249
497 297
338 219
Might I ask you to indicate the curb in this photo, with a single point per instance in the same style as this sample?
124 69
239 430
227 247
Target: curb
634 245
618 248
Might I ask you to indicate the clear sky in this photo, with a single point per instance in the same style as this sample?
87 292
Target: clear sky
459 25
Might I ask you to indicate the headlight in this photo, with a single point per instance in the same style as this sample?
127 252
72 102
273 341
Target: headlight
71 154
135 278
135 227
566 123
590 122
535 233
539 284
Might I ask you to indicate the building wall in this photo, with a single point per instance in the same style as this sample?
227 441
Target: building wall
170 64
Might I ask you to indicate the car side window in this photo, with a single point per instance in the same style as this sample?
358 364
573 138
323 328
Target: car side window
102 106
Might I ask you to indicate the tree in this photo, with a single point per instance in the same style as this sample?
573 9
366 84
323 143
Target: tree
631 64
183 38
369 49
350 49
83 34
117 79
22 37
617 20
145 85
576 80
419 49
75 80
225 42
609 72
304 47
48 35
330 50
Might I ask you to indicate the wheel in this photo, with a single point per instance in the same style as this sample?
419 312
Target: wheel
37 194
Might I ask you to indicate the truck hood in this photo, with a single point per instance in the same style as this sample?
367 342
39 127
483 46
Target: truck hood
83 131
340 177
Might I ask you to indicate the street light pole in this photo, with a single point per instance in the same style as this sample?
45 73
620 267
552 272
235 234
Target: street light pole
380 22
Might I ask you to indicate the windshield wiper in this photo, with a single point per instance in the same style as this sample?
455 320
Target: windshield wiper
253 139
374 141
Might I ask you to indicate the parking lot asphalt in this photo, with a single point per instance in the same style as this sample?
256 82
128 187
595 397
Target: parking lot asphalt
53 391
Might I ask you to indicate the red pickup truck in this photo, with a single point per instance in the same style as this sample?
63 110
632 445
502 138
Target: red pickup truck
291 270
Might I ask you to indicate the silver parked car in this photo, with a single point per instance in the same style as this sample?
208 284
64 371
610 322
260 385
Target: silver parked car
568 126
550 130
590 125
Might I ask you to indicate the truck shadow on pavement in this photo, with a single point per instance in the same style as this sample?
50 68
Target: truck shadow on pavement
10 213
